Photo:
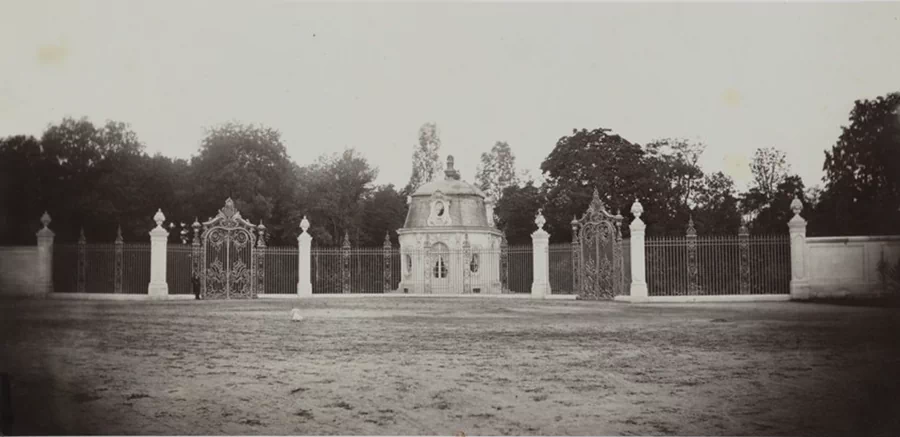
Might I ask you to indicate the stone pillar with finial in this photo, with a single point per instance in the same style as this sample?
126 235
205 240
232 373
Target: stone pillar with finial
799 252
158 238
44 281
638 289
304 245
540 241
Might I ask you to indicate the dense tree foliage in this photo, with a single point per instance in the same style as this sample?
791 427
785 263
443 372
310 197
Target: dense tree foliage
862 173
516 211
99 177
338 186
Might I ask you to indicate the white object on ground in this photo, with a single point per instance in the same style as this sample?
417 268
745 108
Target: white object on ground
295 315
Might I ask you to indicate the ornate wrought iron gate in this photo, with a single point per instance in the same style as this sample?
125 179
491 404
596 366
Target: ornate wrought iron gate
597 253
231 264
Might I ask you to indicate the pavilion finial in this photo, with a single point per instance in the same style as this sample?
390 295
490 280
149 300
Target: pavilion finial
451 173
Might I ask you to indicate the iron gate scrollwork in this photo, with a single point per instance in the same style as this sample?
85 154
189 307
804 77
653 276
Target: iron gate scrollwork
230 261
597 253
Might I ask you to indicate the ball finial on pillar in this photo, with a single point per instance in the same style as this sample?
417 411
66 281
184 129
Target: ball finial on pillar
159 217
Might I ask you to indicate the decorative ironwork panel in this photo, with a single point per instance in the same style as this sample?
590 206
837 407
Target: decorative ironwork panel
120 255
82 263
693 268
597 253
744 247
387 252
229 257
345 265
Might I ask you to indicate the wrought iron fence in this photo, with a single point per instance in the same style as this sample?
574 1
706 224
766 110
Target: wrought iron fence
65 268
521 269
135 268
561 269
179 259
281 270
718 265
102 268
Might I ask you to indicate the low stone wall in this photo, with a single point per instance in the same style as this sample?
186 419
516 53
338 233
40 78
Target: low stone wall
19 270
848 266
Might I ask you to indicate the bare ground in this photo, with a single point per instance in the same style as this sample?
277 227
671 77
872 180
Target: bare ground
388 366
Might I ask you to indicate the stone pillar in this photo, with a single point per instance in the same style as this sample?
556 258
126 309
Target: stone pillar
799 270
158 238
44 280
540 242
638 257
304 244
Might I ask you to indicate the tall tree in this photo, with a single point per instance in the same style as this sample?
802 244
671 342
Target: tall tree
614 166
516 210
680 158
340 183
715 206
862 172
384 211
774 216
248 163
426 163
769 168
496 171
71 167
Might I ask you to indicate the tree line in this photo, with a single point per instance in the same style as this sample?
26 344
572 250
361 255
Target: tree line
98 178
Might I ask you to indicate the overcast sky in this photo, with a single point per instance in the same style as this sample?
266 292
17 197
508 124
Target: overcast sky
329 76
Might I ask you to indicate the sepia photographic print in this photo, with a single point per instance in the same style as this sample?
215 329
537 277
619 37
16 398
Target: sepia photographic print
455 218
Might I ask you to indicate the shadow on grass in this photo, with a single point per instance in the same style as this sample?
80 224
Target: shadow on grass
892 301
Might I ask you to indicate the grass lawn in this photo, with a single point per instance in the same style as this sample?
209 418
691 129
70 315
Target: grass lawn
388 366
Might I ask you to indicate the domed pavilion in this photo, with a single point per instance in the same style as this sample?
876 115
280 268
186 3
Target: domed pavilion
449 244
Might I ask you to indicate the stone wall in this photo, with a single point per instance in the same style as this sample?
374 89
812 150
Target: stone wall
848 266
19 270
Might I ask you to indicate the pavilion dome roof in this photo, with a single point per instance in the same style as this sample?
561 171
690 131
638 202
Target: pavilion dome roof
465 202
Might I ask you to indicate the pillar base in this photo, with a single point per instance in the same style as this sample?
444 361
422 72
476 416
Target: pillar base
800 291
304 289
638 291
158 289
540 290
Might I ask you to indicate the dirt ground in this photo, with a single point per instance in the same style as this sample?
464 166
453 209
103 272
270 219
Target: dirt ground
409 366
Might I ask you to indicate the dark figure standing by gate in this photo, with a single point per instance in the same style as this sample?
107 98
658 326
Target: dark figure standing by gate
195 284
